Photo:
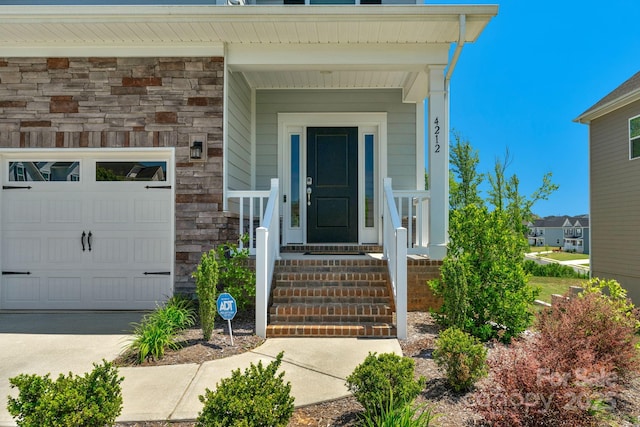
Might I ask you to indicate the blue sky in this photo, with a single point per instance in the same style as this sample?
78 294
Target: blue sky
536 67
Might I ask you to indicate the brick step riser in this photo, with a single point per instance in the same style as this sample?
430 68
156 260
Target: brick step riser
330 300
336 293
338 276
378 331
329 284
320 321
339 310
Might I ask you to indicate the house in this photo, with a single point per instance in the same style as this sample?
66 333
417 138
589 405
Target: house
304 118
564 232
576 235
547 231
614 168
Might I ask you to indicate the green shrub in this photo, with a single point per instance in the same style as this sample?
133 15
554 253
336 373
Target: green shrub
257 398
158 330
206 282
383 382
402 416
462 356
235 277
484 286
550 270
94 400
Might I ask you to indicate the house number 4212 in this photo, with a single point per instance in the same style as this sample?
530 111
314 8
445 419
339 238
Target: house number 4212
436 133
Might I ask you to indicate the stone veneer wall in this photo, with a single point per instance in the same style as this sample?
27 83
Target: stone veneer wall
129 102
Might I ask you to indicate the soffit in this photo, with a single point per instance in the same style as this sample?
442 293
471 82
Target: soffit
148 25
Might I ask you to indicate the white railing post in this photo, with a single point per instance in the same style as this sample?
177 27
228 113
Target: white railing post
262 298
267 251
395 252
401 281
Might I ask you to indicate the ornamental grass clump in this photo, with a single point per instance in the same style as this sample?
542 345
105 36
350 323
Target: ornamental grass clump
159 329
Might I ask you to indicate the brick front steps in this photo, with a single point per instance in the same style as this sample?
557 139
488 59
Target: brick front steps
328 295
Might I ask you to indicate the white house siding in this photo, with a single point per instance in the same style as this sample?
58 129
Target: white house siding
239 151
401 126
615 200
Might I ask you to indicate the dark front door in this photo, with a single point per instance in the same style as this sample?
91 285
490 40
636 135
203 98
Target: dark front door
332 178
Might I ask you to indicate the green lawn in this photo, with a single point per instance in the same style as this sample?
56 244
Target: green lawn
565 256
553 285
539 248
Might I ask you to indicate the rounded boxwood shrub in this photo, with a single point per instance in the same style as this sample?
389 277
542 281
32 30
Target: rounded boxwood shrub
384 382
94 400
462 356
256 398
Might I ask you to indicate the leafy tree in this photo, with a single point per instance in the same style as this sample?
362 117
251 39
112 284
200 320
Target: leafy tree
484 286
464 164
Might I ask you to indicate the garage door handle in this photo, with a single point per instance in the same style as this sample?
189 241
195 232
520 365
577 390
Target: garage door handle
89 240
82 240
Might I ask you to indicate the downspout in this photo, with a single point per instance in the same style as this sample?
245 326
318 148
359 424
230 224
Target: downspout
456 54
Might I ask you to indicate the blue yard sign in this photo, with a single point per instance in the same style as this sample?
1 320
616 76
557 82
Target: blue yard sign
227 309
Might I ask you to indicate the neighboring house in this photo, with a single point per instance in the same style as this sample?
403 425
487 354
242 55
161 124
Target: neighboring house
576 234
547 231
564 232
614 168
288 116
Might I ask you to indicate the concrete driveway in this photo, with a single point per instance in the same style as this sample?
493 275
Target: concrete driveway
40 343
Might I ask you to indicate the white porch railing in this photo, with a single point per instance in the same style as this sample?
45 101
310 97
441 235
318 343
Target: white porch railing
250 206
395 251
413 209
267 251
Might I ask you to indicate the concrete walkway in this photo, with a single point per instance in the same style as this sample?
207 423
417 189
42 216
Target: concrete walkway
316 367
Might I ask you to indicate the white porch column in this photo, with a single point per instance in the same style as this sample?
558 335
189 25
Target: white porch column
438 164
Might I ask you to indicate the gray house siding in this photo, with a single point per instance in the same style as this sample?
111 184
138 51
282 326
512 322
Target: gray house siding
239 151
615 200
401 126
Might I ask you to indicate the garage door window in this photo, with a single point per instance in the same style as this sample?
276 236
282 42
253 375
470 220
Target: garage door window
131 171
41 171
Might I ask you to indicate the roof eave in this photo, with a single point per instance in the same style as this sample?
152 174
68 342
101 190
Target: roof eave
594 113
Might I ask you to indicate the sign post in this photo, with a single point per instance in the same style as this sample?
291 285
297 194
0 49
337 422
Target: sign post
227 309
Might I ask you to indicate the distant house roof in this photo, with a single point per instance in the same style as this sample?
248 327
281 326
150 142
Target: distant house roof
624 94
559 221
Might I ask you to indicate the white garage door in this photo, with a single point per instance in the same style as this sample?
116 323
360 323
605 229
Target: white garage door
82 230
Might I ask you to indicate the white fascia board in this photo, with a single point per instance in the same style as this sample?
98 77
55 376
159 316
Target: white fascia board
167 50
175 13
627 99
332 57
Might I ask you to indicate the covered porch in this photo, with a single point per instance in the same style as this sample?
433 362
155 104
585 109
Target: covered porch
361 110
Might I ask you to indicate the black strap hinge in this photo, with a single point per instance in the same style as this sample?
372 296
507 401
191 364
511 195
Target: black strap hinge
157 273
15 187
158 187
